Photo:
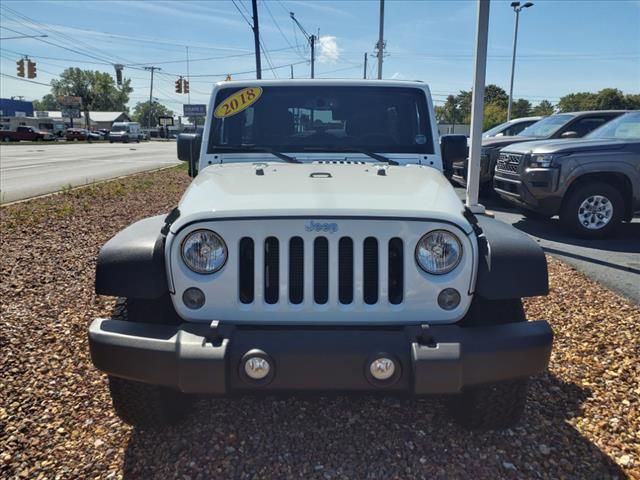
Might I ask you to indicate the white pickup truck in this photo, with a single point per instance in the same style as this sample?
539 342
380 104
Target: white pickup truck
320 248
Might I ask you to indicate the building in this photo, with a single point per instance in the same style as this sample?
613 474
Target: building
15 108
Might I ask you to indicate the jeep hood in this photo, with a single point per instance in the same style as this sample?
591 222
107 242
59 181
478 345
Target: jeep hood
320 190
569 146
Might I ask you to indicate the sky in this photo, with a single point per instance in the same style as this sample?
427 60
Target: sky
564 46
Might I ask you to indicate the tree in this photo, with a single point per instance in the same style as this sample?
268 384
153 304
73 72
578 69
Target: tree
48 102
577 102
495 95
632 102
96 89
144 113
494 114
520 108
544 108
610 99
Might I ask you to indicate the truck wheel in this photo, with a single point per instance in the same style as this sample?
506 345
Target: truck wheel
592 210
490 407
143 405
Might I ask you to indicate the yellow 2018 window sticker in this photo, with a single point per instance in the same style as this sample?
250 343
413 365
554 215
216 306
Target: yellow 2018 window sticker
237 102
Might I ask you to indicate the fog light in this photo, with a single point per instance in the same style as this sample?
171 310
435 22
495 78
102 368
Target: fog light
449 298
382 368
193 298
257 368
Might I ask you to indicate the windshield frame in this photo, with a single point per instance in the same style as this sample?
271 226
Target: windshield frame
423 121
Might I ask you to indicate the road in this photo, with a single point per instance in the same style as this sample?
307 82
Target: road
30 170
614 262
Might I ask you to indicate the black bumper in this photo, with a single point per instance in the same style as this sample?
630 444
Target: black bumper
432 360
534 189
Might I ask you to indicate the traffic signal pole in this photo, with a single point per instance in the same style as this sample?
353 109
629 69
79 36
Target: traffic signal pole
256 38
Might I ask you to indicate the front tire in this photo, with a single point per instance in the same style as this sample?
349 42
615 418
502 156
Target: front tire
143 405
490 407
592 210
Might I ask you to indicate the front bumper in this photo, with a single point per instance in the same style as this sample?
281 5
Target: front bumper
533 189
196 358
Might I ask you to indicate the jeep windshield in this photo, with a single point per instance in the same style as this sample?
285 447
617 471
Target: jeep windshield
625 127
346 119
546 127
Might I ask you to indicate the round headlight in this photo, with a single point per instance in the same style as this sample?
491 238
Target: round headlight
438 252
204 251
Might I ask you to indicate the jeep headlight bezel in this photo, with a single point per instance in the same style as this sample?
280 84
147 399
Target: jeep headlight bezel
438 252
541 160
203 251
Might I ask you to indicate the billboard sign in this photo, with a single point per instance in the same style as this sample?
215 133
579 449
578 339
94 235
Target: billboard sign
165 121
195 110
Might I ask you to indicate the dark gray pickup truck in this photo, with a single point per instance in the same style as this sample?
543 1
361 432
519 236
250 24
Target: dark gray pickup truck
592 183
554 127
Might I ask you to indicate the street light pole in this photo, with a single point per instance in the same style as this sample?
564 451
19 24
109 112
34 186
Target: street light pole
516 8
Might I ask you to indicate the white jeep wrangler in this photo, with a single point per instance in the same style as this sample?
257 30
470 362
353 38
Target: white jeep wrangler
320 248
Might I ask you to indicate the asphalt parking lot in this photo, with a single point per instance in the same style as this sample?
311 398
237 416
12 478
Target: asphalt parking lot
28 170
613 262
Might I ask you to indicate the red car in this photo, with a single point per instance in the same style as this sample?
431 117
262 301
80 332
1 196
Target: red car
24 133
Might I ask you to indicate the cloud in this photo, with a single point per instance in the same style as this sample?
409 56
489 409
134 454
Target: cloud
329 50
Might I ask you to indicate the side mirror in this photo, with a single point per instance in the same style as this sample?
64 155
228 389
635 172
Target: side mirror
189 150
570 134
453 149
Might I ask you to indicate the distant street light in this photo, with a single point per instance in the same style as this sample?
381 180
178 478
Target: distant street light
516 8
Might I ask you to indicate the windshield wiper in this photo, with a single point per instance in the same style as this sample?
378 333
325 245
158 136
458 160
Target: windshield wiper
259 148
375 156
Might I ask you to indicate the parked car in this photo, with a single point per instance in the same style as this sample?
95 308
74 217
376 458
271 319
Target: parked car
80 134
510 128
125 132
558 126
593 184
320 256
25 133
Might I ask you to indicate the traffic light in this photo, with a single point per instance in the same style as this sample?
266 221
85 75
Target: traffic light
20 64
185 85
179 85
118 74
31 69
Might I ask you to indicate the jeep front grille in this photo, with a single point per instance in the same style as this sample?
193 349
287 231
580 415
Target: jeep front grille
296 251
508 162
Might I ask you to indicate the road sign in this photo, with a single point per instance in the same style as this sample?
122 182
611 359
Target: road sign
69 101
165 121
71 112
195 110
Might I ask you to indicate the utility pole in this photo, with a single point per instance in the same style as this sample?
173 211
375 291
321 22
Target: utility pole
310 38
256 38
151 69
365 66
381 45
291 71
516 8
188 92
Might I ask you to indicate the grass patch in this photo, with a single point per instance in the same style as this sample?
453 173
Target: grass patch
72 201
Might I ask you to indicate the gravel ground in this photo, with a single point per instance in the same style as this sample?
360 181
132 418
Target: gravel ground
582 419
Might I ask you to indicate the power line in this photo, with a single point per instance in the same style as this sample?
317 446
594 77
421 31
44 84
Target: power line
24 79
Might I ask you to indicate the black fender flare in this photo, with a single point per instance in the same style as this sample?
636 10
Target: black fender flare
510 263
132 263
